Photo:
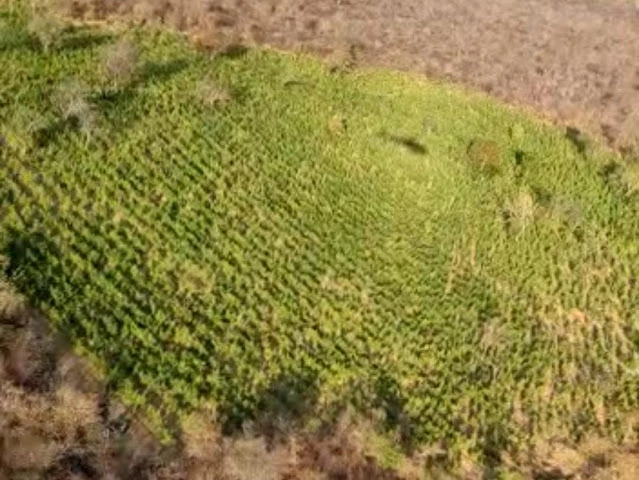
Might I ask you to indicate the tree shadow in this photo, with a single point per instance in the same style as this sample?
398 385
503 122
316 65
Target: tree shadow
29 253
161 71
233 51
48 133
286 401
409 143
578 139
80 38
494 442
389 398
13 38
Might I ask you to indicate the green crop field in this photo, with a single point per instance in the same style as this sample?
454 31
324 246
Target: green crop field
317 239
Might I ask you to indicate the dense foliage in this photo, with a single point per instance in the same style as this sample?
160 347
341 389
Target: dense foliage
318 239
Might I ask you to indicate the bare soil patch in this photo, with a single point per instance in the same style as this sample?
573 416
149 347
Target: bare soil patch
574 60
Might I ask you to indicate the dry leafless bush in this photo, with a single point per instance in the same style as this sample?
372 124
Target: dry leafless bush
46 29
121 63
211 94
23 128
520 212
71 101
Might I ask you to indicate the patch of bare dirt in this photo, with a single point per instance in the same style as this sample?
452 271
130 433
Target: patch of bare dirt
575 60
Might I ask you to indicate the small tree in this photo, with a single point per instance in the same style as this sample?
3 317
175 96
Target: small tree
22 130
46 29
121 62
211 94
71 101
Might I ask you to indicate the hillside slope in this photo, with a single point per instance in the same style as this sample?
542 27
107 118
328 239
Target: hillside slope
573 60
259 232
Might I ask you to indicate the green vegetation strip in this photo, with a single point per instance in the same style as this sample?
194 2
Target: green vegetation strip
255 231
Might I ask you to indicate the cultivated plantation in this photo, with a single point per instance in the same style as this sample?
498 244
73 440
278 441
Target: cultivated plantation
264 234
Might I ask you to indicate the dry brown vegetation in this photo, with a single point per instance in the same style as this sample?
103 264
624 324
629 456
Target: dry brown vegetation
572 60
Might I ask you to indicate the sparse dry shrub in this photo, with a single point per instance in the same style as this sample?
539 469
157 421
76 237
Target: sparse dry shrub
251 459
184 14
71 101
70 98
72 8
342 59
22 419
46 29
20 359
628 144
337 125
631 175
28 451
628 141
211 94
12 305
23 128
121 63
87 9
520 212
201 435
72 410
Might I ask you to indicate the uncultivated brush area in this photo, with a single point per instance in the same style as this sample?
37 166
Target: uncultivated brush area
571 59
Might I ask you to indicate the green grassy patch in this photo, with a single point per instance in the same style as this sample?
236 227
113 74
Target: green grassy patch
258 232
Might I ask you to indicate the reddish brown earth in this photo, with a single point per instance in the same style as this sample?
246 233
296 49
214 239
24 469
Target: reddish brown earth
576 61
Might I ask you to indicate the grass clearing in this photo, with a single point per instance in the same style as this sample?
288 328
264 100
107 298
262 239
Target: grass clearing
322 239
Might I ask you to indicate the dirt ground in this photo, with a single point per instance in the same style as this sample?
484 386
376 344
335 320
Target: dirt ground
572 60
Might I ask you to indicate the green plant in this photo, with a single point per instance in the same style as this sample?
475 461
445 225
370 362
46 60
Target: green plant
250 257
